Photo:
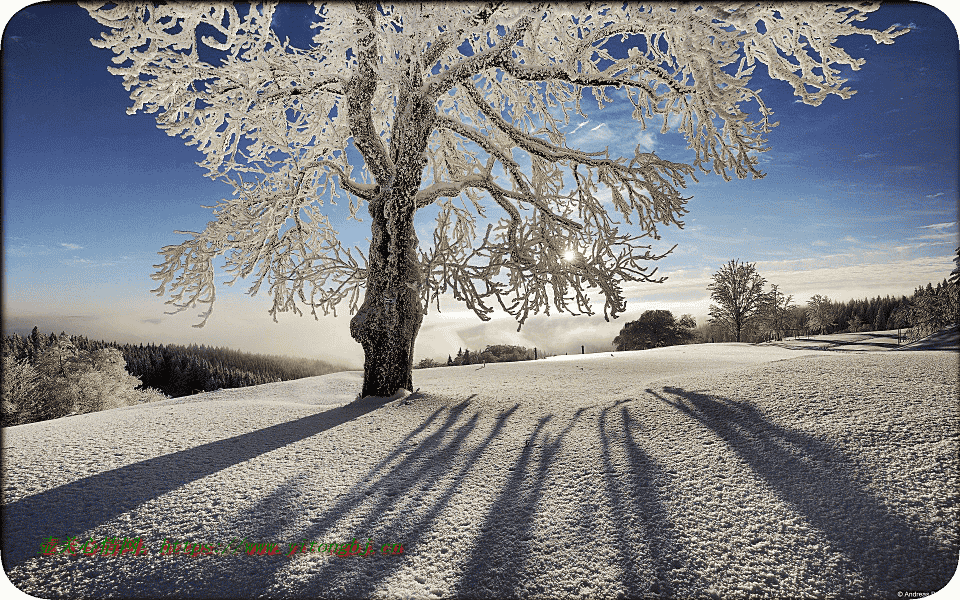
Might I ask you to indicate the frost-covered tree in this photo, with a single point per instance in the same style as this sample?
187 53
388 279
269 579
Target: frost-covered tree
775 311
737 291
20 386
459 107
955 274
821 313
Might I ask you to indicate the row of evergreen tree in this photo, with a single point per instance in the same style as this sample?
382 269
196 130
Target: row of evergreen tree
46 377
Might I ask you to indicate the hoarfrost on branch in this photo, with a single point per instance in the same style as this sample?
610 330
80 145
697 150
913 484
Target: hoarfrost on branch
275 121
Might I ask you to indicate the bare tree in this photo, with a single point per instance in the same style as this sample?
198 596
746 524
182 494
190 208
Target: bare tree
797 319
737 290
822 311
444 102
775 310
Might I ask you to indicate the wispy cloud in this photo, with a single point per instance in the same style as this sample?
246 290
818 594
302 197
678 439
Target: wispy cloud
936 234
29 250
938 225
647 141
935 195
912 26
868 155
76 261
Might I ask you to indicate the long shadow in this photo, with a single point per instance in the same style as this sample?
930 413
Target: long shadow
942 341
275 518
76 507
824 485
449 462
410 478
641 517
510 521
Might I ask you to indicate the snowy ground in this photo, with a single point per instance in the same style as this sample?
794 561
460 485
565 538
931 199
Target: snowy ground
722 470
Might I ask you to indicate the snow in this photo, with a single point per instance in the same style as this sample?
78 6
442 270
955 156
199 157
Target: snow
719 470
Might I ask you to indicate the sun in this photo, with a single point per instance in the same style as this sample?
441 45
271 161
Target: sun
570 255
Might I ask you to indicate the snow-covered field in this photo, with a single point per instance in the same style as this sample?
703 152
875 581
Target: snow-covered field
723 470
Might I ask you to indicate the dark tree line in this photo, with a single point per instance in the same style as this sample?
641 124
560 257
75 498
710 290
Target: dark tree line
174 370
655 329
491 354
183 370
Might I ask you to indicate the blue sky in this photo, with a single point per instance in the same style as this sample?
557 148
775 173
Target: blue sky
860 200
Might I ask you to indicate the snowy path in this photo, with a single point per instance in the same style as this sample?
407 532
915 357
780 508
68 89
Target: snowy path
716 470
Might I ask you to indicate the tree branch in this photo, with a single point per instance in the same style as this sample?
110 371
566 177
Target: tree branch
526 194
439 84
360 91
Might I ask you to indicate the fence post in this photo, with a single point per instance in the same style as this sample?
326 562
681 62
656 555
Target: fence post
582 350
534 354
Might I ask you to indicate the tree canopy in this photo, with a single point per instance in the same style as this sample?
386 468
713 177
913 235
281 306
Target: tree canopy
821 312
457 106
655 329
274 121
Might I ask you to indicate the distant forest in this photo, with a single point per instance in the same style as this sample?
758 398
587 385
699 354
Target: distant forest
929 309
171 370
492 354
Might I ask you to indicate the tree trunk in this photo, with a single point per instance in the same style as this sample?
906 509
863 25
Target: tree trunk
387 323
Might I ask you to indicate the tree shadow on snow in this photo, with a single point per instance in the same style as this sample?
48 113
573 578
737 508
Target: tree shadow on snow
824 485
396 501
496 562
73 508
646 540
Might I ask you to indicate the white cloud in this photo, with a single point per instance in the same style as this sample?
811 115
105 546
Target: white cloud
937 234
938 225
74 262
69 246
647 140
577 128
891 270
26 250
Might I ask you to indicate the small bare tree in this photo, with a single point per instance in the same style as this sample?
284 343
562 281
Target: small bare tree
449 101
737 290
